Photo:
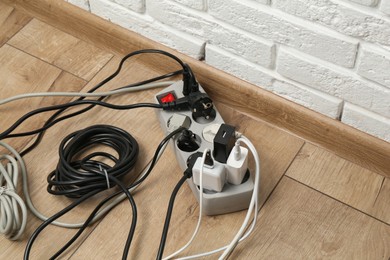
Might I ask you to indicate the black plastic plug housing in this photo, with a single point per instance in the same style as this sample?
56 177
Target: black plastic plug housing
190 85
224 142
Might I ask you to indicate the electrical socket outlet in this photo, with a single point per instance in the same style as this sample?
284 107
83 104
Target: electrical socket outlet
232 197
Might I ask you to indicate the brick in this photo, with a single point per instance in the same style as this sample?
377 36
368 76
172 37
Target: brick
385 6
334 81
308 97
225 36
366 121
146 26
343 18
366 2
84 4
375 65
266 2
237 66
195 4
270 24
134 5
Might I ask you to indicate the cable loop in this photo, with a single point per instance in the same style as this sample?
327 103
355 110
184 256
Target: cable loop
82 170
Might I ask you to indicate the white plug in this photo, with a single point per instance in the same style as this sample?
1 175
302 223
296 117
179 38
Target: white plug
214 176
237 164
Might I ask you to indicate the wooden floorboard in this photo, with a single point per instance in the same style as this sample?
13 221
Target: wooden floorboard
11 21
342 180
60 49
315 204
298 222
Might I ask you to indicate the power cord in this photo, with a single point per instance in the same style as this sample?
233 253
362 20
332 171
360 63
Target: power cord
200 209
12 221
188 79
187 174
105 205
6 133
85 177
253 208
94 94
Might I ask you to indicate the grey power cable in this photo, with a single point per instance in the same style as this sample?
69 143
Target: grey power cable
13 213
13 210
12 222
94 94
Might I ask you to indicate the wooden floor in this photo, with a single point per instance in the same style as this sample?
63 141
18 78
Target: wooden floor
314 203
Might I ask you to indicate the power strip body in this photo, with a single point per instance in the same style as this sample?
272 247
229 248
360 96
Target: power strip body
233 197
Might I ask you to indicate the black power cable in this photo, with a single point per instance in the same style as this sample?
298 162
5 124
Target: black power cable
51 121
75 177
82 177
188 79
98 207
6 133
169 214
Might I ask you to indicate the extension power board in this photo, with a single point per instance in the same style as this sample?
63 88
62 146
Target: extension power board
232 197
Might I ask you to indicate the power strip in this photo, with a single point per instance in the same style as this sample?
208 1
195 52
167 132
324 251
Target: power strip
232 197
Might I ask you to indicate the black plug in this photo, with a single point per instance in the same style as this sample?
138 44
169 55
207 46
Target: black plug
209 160
190 85
191 162
187 141
199 103
224 142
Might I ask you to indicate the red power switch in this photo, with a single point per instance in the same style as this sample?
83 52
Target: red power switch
167 97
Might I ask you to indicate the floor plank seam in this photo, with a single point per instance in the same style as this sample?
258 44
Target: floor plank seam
53 65
360 211
281 177
380 189
11 36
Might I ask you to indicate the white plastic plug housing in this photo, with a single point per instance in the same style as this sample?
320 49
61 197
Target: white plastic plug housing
214 177
237 165
178 120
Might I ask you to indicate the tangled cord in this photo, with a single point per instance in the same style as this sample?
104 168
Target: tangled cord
82 176
75 177
125 192
12 221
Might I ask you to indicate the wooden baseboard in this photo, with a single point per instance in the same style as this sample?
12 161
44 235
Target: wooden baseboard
345 141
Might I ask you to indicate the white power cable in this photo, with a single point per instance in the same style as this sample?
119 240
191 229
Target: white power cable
253 204
94 94
240 236
200 208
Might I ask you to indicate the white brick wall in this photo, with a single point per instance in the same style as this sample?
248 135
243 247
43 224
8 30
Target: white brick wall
385 6
84 4
332 56
196 4
366 121
366 2
375 65
341 17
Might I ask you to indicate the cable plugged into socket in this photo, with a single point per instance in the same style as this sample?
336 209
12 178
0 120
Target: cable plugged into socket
214 174
237 164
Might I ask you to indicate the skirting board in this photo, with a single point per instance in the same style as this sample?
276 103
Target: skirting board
347 142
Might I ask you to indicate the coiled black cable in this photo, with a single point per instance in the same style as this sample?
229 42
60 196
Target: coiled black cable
99 206
74 177
83 177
